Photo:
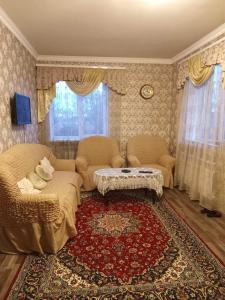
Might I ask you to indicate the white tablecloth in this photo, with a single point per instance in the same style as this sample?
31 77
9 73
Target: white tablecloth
115 179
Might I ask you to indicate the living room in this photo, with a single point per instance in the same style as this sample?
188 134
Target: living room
150 62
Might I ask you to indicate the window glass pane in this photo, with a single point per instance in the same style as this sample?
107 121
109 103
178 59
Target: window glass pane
73 117
64 113
94 112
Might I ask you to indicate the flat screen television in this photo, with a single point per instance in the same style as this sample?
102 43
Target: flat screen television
21 112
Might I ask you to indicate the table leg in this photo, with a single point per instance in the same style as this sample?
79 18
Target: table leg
146 192
154 197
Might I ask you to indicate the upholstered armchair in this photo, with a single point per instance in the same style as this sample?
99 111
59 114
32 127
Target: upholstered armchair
151 151
94 153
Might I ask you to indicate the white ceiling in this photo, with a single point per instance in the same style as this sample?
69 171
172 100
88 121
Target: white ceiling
114 28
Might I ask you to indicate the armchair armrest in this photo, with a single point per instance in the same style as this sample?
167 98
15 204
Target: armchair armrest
117 161
65 165
167 161
133 161
35 207
81 164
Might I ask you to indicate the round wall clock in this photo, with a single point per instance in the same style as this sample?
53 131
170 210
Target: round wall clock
146 91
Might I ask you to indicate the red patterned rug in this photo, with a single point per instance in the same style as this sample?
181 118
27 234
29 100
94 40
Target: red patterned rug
126 248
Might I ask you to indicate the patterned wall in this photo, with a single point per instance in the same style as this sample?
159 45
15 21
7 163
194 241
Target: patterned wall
131 114
17 74
151 116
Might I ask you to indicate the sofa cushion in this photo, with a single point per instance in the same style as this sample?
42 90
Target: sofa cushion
60 178
92 169
65 185
148 149
98 149
89 175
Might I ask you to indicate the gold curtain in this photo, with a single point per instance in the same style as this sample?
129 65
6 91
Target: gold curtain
210 56
45 98
198 72
87 82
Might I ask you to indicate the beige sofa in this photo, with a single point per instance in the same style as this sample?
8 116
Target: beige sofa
41 222
151 151
94 153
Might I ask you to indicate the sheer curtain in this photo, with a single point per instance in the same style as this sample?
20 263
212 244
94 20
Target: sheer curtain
200 147
72 117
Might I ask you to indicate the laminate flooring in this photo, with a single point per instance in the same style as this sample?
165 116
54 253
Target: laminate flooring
210 230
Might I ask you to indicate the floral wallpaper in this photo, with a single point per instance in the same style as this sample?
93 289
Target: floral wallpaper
130 114
17 74
151 116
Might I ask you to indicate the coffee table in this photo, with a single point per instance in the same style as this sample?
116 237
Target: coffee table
134 178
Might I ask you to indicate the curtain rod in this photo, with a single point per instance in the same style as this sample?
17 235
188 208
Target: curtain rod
80 66
201 50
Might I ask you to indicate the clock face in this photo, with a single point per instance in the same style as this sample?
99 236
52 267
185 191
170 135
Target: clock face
146 91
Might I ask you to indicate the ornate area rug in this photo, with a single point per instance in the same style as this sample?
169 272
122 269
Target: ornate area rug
126 248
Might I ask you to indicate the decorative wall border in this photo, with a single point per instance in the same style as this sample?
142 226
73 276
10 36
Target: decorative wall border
200 43
97 59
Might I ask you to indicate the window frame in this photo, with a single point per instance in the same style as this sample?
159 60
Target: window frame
61 138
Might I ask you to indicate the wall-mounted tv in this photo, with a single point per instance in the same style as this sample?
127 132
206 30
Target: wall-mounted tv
21 112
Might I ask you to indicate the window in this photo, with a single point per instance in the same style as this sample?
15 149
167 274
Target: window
203 109
73 117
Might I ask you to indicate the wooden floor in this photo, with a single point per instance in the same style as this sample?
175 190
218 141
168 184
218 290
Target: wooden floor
210 230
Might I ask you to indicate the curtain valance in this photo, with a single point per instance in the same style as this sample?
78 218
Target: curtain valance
81 81
48 76
88 81
199 65
198 72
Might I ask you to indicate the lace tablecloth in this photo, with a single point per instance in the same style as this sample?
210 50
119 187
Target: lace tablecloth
115 179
